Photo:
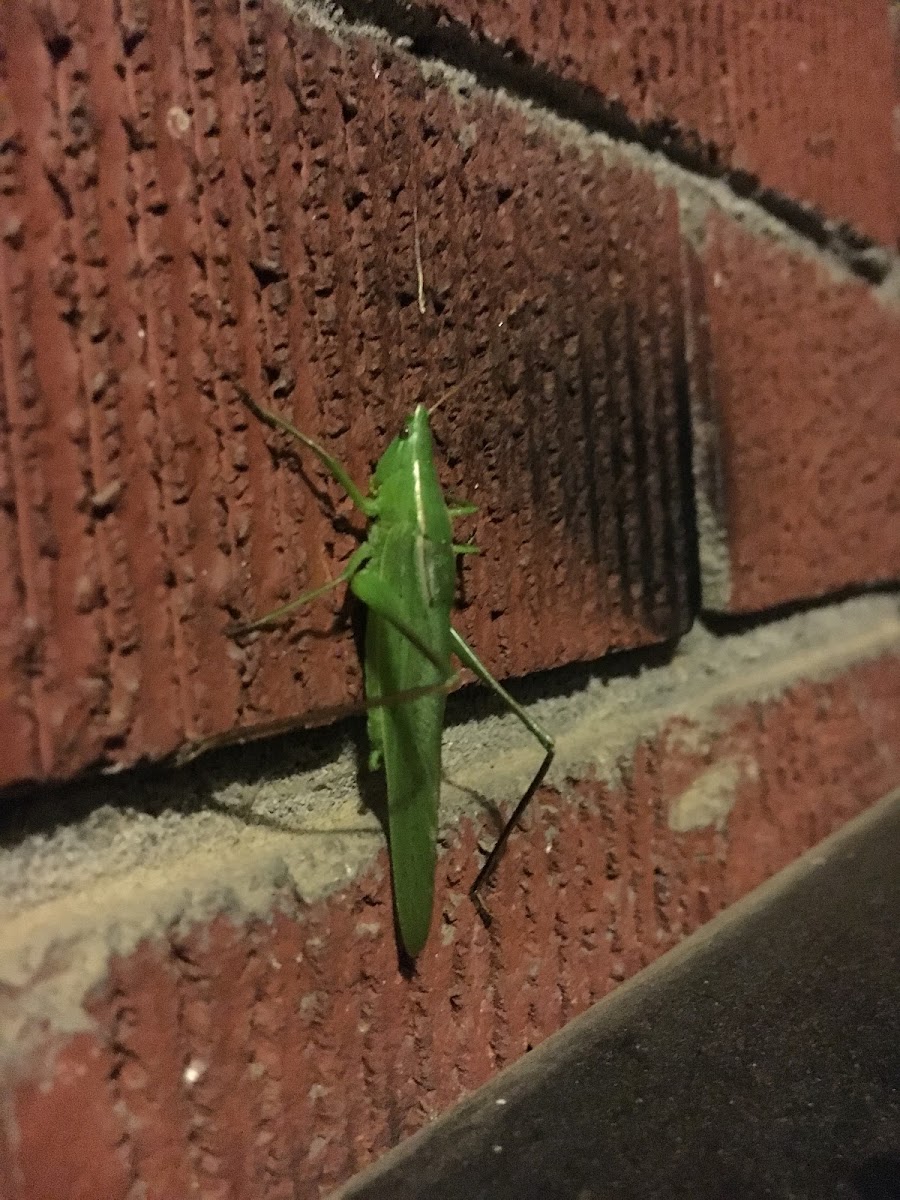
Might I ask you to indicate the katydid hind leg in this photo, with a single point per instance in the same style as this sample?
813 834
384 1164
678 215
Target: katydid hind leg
470 659
408 694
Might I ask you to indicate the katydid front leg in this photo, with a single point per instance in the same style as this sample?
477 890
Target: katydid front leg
365 504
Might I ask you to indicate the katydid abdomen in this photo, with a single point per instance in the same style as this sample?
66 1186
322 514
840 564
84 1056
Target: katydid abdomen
406 737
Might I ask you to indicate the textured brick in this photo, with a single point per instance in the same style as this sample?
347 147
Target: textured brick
796 96
796 391
69 1110
275 1057
203 200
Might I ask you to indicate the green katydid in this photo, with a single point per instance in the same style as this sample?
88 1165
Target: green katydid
404 573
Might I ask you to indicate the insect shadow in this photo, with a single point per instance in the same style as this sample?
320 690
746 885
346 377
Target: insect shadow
371 788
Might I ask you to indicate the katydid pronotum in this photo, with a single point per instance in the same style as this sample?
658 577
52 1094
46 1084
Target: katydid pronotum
404 573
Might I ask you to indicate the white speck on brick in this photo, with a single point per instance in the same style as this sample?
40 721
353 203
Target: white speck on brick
194 1071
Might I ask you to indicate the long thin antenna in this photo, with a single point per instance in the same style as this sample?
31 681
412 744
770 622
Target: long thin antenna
437 404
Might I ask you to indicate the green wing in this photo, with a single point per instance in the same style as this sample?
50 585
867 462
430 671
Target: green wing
406 737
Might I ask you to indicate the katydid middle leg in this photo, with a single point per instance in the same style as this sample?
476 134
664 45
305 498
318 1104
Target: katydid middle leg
470 659
354 562
377 595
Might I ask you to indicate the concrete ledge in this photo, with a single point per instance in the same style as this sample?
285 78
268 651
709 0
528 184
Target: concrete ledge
760 1058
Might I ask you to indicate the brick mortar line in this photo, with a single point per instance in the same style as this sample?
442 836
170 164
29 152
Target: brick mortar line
152 874
449 46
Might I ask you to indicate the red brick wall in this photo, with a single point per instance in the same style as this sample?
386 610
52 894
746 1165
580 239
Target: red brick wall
801 424
269 246
791 102
672 385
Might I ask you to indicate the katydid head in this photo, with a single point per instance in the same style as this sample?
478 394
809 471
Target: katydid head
412 445
406 480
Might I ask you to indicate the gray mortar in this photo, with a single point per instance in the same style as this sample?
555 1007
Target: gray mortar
225 834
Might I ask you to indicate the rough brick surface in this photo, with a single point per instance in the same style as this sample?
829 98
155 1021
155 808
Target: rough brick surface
276 1057
796 393
199 200
797 96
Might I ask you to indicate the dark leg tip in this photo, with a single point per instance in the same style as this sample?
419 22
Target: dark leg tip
480 909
